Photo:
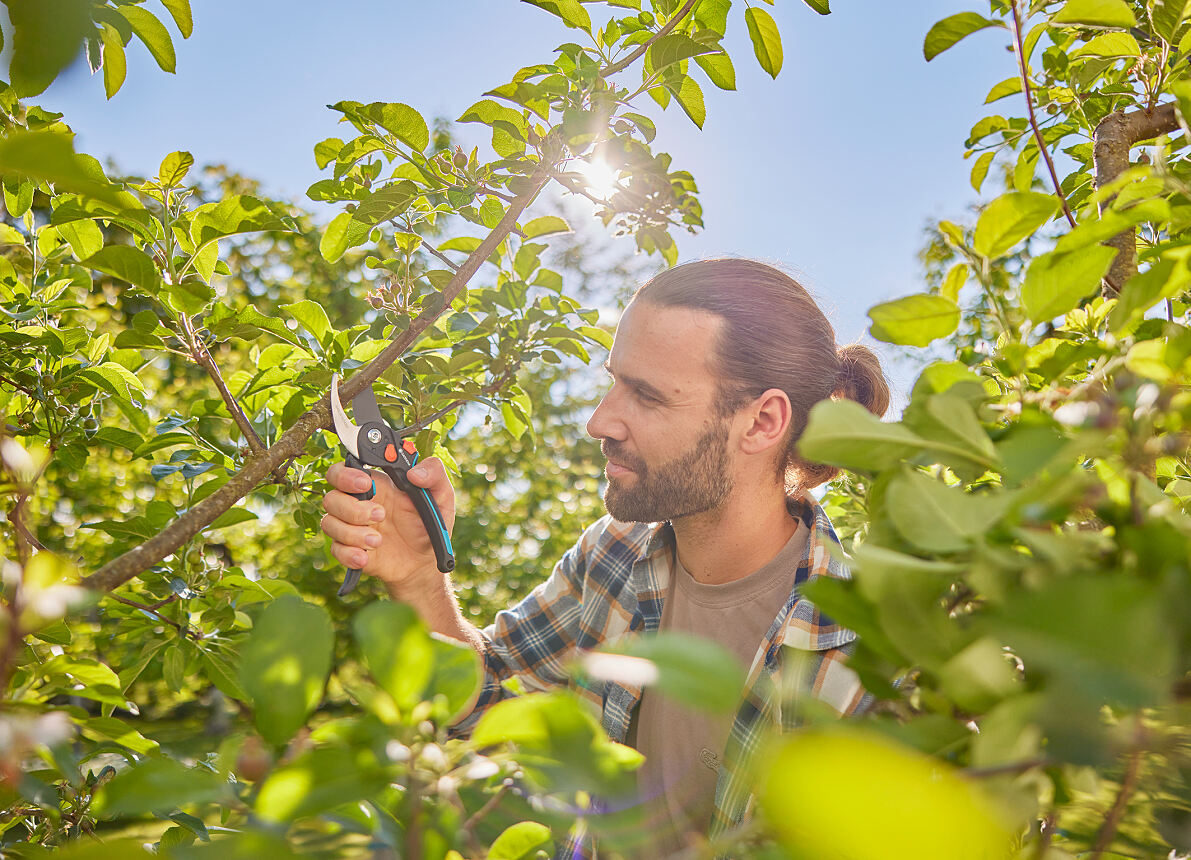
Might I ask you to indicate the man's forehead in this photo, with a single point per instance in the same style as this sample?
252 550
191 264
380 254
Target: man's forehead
659 340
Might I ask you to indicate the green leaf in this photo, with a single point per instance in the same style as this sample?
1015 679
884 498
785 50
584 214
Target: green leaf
914 320
318 781
312 316
174 168
174 667
128 264
1007 87
674 48
522 841
1164 279
697 672
891 789
84 236
115 64
843 433
401 120
719 70
767 41
50 156
334 241
1058 281
819 6
408 664
570 11
284 673
46 38
180 11
120 732
223 675
1009 219
690 99
160 784
951 29
939 518
1095 13
980 169
237 213
1110 45
231 517
153 33
545 226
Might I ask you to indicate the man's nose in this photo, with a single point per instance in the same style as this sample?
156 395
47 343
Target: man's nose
604 423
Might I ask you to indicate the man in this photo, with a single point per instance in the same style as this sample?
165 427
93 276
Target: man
710 531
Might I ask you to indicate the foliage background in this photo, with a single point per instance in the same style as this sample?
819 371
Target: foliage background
1019 536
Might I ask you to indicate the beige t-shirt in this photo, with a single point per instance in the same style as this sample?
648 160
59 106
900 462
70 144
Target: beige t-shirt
682 745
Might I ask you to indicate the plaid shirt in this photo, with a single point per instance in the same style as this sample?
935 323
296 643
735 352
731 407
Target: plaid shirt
612 584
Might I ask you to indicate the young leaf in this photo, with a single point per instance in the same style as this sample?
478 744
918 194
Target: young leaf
312 316
819 6
951 29
84 236
914 320
980 169
522 841
174 168
1011 218
1058 281
719 70
159 784
115 64
180 11
674 48
1095 13
334 241
690 99
572 13
545 226
843 433
767 41
127 263
153 33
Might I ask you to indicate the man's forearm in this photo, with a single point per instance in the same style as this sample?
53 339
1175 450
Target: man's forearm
438 607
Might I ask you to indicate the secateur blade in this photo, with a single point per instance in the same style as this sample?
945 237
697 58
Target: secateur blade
347 431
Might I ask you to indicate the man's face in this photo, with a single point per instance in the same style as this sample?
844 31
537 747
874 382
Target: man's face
667 449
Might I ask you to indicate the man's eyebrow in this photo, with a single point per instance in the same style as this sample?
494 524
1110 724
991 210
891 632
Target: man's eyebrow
639 385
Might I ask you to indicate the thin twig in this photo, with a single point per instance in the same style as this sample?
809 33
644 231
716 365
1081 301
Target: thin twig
16 385
645 46
481 814
1026 90
1112 821
433 250
1006 769
202 356
151 611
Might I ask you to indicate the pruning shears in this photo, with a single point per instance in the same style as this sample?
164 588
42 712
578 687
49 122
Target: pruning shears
375 443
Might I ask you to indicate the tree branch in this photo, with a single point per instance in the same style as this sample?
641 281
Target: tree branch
1029 94
1112 821
291 443
642 48
143 608
441 256
1114 137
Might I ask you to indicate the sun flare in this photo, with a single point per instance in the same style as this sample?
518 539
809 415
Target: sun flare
600 179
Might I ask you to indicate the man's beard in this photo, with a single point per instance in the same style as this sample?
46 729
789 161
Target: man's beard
697 480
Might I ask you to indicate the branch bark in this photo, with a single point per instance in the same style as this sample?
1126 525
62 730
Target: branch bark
291 443
1116 134
1112 821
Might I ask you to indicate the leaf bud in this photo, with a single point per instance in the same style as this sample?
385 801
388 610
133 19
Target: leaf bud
376 301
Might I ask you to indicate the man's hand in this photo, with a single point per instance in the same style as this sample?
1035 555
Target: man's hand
384 536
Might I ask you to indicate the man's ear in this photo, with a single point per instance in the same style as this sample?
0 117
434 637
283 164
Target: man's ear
768 418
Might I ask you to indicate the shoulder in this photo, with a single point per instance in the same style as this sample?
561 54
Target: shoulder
609 547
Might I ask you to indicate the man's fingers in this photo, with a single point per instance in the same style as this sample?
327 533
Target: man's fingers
349 556
351 510
348 480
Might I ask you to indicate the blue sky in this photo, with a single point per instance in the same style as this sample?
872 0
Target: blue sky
831 171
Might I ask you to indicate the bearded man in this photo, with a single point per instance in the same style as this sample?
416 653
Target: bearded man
711 531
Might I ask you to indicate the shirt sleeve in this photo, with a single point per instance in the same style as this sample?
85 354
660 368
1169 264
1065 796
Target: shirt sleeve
533 639
823 675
